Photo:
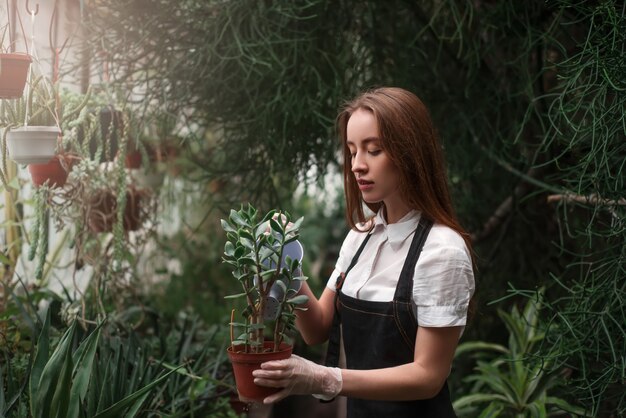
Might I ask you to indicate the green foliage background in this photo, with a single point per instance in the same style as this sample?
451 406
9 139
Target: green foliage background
528 97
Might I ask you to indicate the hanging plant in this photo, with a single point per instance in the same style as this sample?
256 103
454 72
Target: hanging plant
39 233
13 74
31 124
14 68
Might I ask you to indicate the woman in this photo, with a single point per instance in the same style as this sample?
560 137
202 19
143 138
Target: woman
404 278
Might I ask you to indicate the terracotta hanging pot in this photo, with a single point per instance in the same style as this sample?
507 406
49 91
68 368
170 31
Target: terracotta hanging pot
245 363
54 172
32 144
103 210
13 73
133 159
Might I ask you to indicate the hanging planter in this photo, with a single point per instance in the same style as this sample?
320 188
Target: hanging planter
13 74
133 159
32 144
102 213
54 172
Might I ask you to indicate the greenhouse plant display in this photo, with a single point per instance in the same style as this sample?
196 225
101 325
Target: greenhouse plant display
258 252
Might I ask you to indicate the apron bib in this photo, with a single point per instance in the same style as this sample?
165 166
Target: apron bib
382 334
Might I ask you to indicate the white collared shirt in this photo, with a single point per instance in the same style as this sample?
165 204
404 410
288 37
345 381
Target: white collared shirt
443 283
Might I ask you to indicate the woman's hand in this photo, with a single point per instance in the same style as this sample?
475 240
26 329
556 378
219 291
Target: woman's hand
298 376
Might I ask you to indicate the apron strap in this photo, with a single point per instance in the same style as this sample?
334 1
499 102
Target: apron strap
334 338
404 289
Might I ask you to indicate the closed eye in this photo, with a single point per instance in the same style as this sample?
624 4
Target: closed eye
375 152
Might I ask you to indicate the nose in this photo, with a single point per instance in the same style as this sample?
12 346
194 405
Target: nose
358 163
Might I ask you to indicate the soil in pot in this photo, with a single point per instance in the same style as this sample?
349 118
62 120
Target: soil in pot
245 363
54 172
13 74
103 210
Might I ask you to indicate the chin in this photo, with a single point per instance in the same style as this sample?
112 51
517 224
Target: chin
371 200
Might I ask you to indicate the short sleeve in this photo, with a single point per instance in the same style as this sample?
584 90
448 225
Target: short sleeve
350 244
443 286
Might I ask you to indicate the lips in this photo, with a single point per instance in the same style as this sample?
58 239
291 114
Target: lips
365 185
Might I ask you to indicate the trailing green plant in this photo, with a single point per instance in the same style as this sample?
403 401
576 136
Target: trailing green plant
511 380
39 231
254 251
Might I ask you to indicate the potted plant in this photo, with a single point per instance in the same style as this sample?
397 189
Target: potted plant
54 172
31 124
103 209
106 123
263 261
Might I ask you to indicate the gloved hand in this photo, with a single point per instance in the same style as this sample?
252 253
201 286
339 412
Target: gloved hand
298 376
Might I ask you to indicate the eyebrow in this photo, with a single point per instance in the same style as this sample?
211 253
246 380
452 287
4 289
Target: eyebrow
366 140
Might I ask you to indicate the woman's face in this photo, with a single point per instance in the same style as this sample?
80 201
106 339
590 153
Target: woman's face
375 173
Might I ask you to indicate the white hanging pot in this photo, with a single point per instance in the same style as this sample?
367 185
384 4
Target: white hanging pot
32 144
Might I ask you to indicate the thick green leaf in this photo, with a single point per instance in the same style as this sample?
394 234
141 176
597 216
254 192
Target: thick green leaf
3 405
82 371
244 233
492 411
566 407
41 358
247 243
296 225
261 229
229 249
236 218
134 399
298 300
51 374
61 399
227 227
477 398
276 227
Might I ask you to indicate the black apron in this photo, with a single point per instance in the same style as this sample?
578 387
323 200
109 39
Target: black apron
382 334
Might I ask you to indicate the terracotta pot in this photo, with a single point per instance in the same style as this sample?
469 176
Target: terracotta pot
133 159
32 144
245 363
13 74
55 171
169 153
103 210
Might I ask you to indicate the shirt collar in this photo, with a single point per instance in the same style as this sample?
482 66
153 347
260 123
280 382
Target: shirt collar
396 232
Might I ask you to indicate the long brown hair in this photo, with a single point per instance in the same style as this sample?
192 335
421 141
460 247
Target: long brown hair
409 139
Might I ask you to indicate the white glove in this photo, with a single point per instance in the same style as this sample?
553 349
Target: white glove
298 376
